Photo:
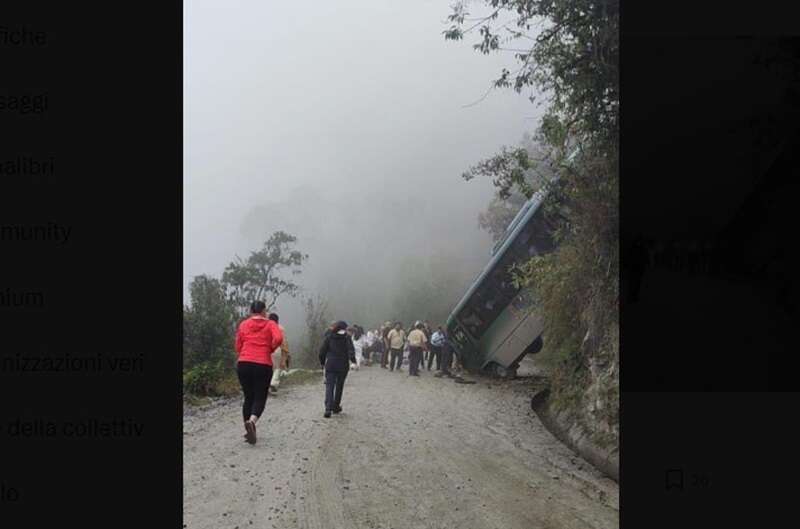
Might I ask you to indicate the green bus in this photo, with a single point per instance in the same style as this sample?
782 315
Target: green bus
495 325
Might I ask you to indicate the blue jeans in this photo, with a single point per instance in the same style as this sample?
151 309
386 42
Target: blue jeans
334 384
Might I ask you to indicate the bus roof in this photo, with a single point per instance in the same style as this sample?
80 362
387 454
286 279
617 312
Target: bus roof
515 226
511 225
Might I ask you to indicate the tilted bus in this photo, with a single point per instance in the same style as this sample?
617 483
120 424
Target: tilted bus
494 325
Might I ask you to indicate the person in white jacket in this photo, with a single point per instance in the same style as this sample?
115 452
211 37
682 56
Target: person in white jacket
369 343
359 341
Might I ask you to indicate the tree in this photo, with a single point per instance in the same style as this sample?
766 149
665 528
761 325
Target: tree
499 214
208 324
573 59
516 174
521 170
317 320
568 51
261 275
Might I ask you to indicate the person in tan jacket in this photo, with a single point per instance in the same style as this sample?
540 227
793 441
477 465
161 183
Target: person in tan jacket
396 339
417 342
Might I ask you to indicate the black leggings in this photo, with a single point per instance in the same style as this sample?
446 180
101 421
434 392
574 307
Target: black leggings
254 379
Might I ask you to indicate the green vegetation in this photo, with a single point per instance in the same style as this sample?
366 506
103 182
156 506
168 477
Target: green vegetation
227 384
208 335
261 275
572 60
205 378
216 307
318 318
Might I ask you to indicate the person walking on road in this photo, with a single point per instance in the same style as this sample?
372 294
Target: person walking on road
256 338
280 357
335 356
396 339
416 344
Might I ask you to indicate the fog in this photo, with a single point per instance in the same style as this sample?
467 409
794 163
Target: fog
348 125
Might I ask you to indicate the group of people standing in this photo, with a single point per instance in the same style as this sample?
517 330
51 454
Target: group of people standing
261 345
421 344
391 345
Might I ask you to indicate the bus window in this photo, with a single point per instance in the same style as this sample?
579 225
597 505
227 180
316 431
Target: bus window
542 235
471 321
460 338
488 303
475 316
544 241
534 239
521 245
503 283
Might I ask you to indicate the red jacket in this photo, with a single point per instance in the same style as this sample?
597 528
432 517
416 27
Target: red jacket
256 338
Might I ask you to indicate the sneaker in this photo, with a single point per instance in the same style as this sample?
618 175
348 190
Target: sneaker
337 410
327 415
250 436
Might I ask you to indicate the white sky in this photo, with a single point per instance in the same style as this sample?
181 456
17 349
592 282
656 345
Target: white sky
349 99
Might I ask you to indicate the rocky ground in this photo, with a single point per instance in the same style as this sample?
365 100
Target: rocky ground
406 453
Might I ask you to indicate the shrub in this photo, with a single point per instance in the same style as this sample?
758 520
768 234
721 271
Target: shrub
208 325
203 379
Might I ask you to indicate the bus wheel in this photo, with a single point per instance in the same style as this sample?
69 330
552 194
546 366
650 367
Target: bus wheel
492 369
535 346
502 372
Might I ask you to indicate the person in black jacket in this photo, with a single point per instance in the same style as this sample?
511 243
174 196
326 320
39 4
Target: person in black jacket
336 355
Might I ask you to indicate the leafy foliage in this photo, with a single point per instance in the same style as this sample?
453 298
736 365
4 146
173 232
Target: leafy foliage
261 275
567 50
209 321
208 324
204 378
499 214
208 335
518 171
516 174
317 318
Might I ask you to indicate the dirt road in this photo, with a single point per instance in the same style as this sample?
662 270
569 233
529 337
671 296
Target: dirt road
405 453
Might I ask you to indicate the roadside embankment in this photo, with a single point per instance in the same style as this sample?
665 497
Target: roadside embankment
570 432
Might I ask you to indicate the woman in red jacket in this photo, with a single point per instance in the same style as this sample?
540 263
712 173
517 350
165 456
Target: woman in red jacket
256 338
